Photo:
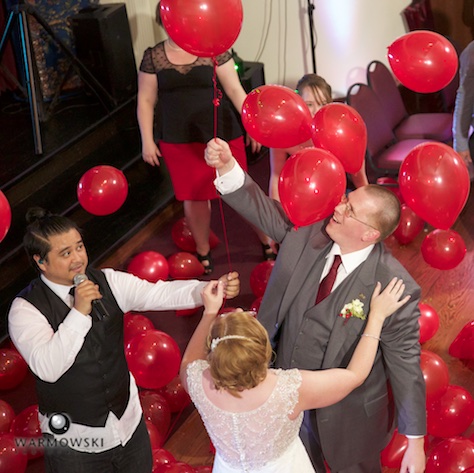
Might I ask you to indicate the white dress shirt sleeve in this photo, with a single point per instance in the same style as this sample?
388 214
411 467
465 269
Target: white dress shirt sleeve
231 181
49 354
133 293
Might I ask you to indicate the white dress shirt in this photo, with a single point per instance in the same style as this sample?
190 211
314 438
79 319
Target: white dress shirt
50 354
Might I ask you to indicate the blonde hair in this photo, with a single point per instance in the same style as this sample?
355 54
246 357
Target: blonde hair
387 217
241 361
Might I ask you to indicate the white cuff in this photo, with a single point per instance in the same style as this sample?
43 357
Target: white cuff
231 181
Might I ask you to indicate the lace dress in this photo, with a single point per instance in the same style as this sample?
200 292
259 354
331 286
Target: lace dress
262 440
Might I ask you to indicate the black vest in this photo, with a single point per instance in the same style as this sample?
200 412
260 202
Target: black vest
98 381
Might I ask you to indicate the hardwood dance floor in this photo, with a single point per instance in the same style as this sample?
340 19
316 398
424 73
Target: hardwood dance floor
450 293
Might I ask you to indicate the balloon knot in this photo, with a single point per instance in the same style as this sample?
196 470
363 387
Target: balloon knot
216 102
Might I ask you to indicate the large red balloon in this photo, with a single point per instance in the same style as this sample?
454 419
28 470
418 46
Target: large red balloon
423 61
429 322
134 324
178 467
7 414
5 216
153 357
26 426
311 184
12 460
161 457
204 28
451 414
259 277
13 368
175 395
435 184
435 373
183 238
149 265
156 438
102 190
454 455
276 117
409 227
184 265
443 249
157 410
463 345
340 129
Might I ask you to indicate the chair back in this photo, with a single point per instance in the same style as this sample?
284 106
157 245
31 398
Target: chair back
419 16
365 101
382 82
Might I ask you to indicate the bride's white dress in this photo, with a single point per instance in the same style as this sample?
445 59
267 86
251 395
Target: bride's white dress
262 440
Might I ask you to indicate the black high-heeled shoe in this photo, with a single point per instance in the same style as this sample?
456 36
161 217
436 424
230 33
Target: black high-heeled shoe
268 254
209 267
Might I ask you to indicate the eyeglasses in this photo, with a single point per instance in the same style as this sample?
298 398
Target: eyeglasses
349 213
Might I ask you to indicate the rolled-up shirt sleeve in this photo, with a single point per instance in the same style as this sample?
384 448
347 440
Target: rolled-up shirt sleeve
49 354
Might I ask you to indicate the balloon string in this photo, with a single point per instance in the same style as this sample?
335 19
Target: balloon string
216 102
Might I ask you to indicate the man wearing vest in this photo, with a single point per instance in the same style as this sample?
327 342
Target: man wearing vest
90 412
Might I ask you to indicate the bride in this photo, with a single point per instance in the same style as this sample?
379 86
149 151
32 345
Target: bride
253 413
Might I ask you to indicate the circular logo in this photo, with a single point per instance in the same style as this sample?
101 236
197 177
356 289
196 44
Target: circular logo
59 423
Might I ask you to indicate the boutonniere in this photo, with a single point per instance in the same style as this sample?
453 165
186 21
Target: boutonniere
353 309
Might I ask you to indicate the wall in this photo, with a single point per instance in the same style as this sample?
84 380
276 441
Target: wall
349 34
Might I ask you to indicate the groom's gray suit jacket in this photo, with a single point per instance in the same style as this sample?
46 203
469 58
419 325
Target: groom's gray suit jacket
312 337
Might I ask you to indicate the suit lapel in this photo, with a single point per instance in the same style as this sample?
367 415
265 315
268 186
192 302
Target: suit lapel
358 285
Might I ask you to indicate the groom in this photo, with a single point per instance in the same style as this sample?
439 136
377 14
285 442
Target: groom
349 435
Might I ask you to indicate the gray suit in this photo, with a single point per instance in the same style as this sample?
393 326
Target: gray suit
313 337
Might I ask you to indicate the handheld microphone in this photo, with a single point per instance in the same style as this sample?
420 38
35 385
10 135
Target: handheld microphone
98 307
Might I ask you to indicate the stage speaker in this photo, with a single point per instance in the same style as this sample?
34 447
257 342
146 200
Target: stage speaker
252 75
104 45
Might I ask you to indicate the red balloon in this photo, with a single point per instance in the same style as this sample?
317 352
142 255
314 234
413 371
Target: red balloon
443 249
13 368
311 184
26 426
149 265
409 227
276 116
451 456
463 345
7 414
178 467
175 395
392 185
203 28
436 375
255 306
184 265
102 190
162 457
156 438
5 216
429 322
435 184
339 129
12 460
423 61
203 469
259 277
153 357
392 454
451 414
157 410
183 238
134 324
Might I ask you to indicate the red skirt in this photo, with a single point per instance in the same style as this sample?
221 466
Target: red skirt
192 178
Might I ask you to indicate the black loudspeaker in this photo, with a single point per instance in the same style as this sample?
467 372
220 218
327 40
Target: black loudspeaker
104 45
252 76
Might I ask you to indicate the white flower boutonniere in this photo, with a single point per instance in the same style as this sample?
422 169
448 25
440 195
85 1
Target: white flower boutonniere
353 309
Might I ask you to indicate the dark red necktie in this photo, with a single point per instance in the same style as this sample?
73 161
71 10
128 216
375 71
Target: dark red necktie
327 283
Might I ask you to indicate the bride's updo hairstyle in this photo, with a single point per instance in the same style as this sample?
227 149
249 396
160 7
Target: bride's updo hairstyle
239 352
